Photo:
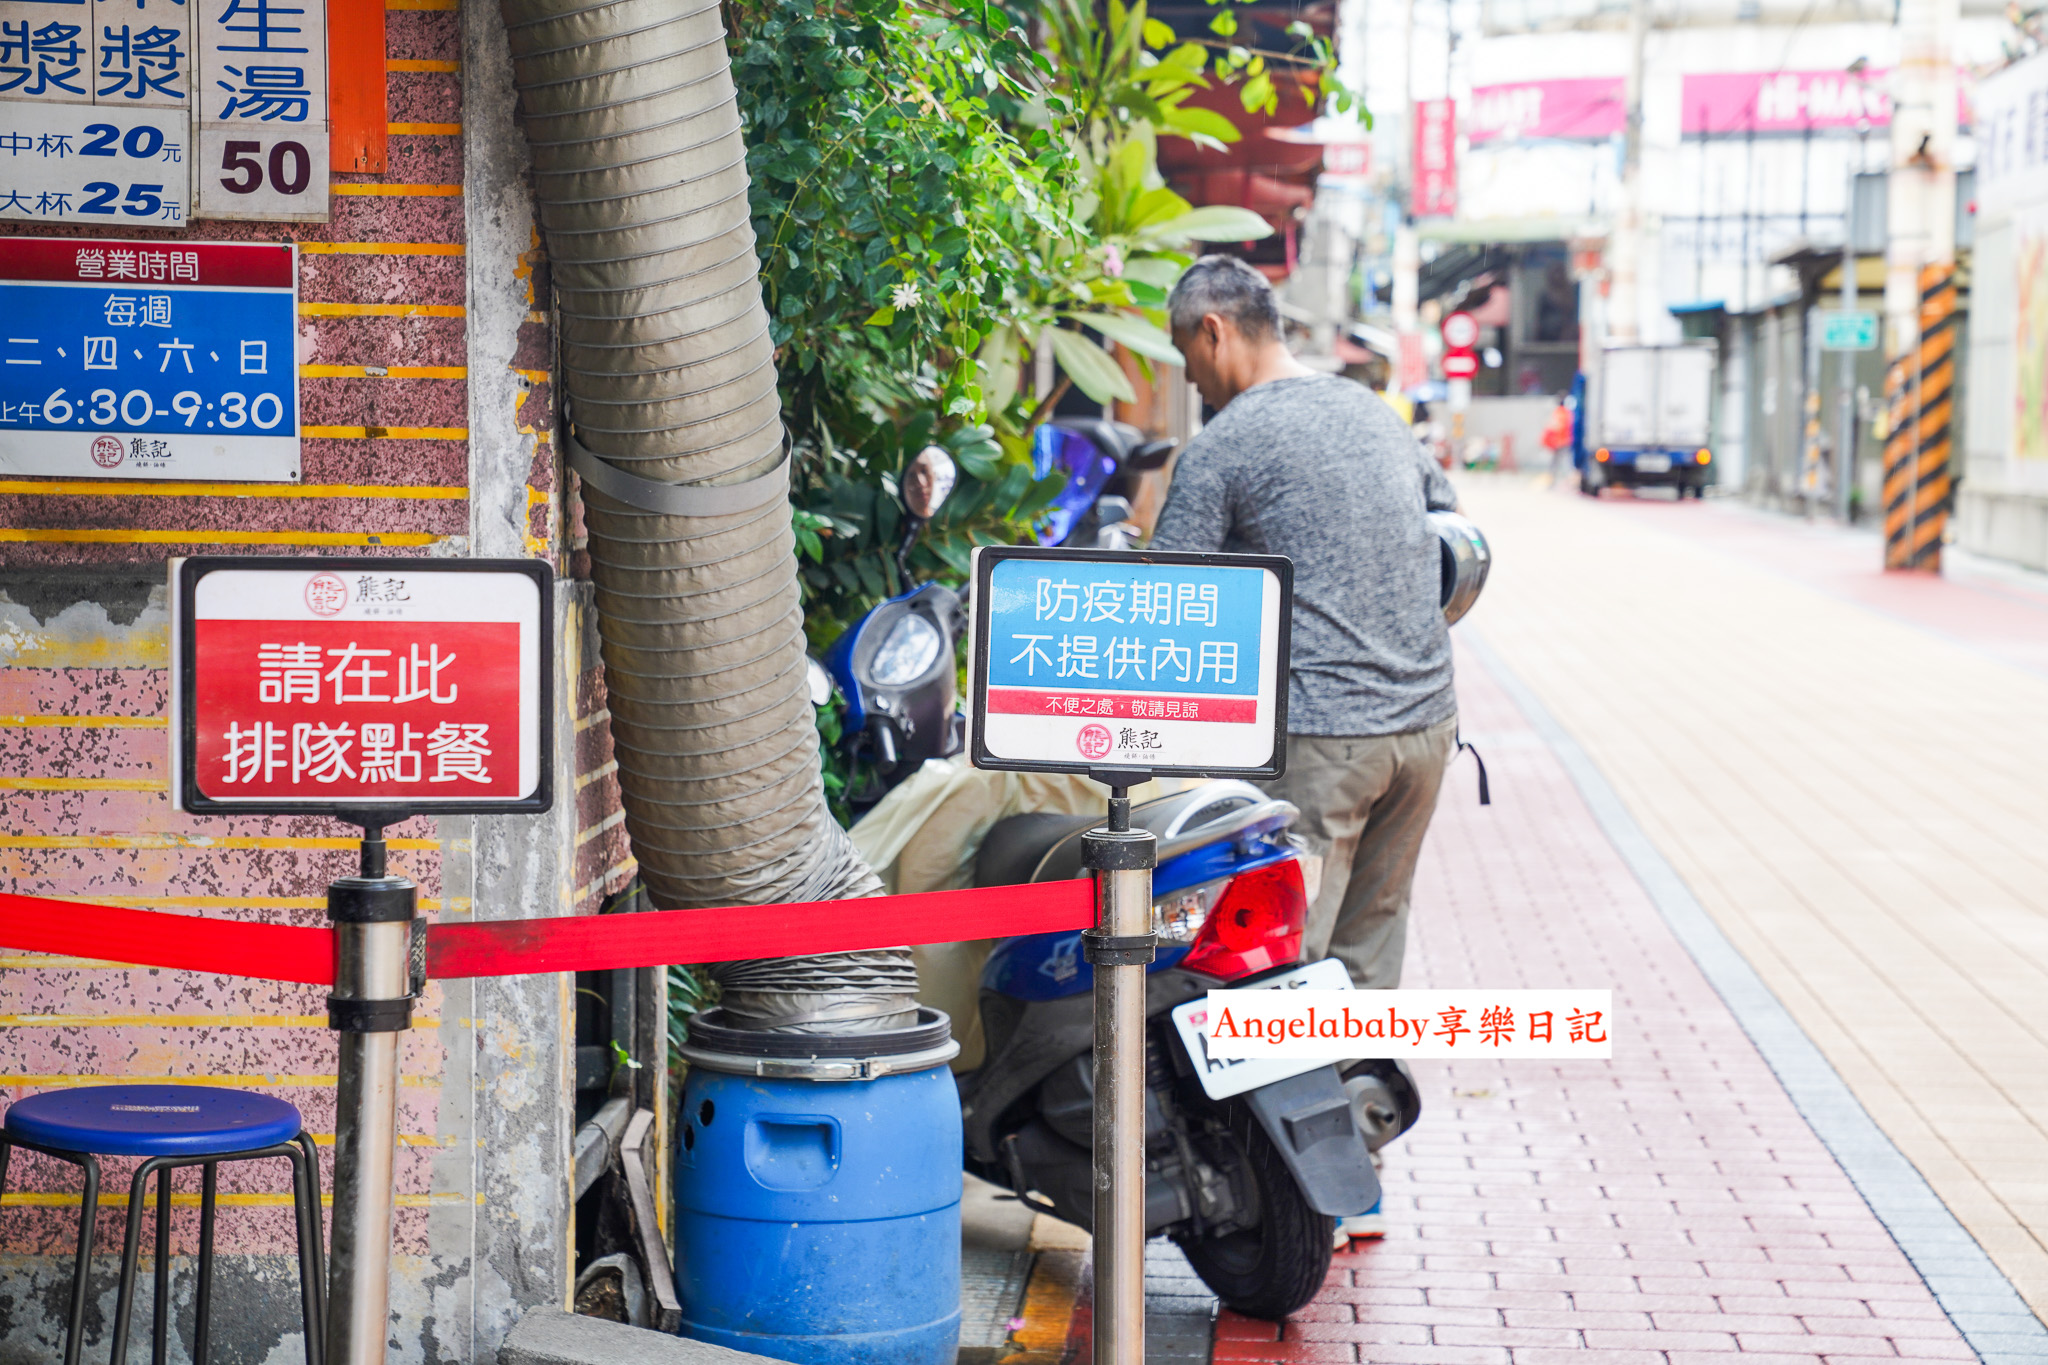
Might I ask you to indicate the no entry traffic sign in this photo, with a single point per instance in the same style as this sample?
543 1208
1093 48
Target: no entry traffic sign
1092 659
356 686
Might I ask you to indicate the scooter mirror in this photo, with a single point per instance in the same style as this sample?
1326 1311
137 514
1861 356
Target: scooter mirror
818 682
1151 455
928 482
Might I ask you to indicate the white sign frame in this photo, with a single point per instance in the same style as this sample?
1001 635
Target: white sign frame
263 587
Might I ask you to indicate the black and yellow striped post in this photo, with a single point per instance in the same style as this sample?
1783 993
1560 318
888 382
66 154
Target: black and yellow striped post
1920 389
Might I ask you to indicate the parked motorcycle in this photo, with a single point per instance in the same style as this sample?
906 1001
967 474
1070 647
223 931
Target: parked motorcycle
1248 1162
895 666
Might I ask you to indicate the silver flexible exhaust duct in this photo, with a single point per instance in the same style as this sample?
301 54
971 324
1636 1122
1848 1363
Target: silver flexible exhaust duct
640 179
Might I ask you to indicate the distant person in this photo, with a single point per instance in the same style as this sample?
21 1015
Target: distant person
1316 468
1557 434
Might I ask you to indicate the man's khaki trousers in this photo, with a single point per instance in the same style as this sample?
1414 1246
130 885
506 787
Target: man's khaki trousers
1365 805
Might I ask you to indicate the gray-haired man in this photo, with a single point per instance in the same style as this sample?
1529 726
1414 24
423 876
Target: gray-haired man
1320 469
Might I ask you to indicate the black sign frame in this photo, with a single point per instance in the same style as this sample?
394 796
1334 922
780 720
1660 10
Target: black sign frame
186 574
985 560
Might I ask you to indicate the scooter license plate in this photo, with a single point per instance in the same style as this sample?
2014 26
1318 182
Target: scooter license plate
1220 1078
1653 464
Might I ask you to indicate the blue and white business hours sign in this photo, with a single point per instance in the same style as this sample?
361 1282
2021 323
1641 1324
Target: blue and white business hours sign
148 360
1090 659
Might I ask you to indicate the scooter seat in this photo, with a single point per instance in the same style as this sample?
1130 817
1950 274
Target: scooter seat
1013 849
1042 847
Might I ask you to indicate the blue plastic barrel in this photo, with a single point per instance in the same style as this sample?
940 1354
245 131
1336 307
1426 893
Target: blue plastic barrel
817 1212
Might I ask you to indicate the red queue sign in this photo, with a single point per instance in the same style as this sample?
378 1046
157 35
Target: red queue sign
347 686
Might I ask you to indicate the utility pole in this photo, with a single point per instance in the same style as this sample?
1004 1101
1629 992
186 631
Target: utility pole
1920 284
1624 307
1407 250
1845 439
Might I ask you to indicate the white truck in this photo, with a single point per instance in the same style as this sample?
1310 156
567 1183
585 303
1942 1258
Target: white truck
1652 419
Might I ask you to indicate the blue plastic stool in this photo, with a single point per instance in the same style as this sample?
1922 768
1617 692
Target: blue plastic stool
173 1126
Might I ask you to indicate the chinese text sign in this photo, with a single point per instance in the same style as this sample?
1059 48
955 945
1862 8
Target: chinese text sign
153 360
393 685
1436 159
1121 660
263 150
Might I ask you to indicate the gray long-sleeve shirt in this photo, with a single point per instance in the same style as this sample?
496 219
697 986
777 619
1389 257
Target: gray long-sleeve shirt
1322 470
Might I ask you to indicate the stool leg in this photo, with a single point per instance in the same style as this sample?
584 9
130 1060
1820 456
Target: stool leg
81 1270
306 1205
202 1326
160 1346
131 1247
305 1141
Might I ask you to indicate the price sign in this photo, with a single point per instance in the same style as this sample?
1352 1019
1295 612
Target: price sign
323 686
1090 659
82 163
263 145
148 360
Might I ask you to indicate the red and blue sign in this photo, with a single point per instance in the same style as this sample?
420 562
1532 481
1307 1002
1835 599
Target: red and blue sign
149 360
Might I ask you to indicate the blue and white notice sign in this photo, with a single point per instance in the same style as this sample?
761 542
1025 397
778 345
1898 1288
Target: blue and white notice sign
1091 659
148 360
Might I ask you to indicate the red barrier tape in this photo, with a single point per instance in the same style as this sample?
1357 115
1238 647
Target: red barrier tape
584 943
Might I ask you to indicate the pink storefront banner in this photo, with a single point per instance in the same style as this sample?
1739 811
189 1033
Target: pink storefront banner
1783 101
1436 159
1588 108
1795 101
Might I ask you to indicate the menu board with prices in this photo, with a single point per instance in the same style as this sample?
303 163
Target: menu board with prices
98 101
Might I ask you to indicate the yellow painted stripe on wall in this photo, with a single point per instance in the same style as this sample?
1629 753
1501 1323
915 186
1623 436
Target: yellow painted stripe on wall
404 1140
204 843
409 64
93 723
250 1082
459 904
424 129
383 371
139 536
137 488
381 248
381 310
396 191
179 1199
84 784
389 433
177 1021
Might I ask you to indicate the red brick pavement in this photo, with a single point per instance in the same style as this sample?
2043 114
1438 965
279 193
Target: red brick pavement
1667 1207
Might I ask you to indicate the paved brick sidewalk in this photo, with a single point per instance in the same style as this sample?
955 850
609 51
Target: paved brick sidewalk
1670 1206
1844 766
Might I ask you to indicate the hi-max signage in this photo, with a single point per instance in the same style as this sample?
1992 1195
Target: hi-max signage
318 685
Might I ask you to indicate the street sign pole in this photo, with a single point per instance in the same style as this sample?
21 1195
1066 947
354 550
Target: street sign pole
1122 666
375 982
1118 949
368 691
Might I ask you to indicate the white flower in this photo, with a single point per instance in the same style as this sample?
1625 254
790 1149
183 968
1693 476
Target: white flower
905 295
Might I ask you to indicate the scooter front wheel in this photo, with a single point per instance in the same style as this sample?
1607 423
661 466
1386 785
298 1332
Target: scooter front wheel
1276 1266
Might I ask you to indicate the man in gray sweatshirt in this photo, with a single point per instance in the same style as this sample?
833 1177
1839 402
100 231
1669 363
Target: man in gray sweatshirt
1322 470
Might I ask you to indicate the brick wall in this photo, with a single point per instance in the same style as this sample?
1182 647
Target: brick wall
389 300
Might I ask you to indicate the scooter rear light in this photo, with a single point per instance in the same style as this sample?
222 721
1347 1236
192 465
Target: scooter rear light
1255 926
